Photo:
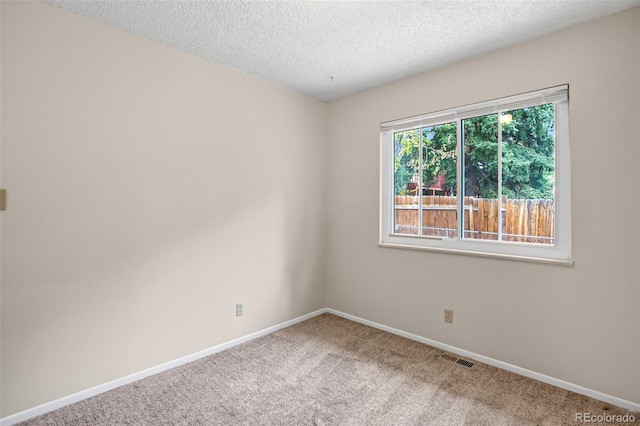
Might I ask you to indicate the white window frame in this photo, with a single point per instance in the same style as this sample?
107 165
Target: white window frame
559 252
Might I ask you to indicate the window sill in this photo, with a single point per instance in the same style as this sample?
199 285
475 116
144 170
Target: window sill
560 262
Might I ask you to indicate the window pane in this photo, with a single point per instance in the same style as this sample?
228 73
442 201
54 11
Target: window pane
480 145
513 167
406 181
439 215
528 183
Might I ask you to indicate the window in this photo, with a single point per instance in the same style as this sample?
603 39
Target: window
491 178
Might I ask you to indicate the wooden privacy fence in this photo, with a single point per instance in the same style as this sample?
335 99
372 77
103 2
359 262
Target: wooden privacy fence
522 220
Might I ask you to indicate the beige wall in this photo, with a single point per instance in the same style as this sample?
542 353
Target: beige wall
149 191
576 323
1 186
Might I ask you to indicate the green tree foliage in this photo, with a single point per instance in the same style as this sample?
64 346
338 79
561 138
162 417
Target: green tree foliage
406 159
527 155
440 155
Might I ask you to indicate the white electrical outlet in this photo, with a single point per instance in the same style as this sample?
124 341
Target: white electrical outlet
239 309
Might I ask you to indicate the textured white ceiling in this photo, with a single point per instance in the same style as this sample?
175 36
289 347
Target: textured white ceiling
329 49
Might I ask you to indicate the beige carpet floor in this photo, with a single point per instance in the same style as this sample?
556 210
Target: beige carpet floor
331 371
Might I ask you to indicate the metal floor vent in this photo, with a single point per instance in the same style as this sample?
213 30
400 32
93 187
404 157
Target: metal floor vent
456 360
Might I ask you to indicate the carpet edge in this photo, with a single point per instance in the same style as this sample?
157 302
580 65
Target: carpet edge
601 396
56 404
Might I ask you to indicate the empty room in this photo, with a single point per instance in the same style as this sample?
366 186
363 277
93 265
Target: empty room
321 212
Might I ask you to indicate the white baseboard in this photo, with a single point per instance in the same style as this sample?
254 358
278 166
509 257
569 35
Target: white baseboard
632 406
96 390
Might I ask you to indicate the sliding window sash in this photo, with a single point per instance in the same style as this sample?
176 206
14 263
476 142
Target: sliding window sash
559 252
